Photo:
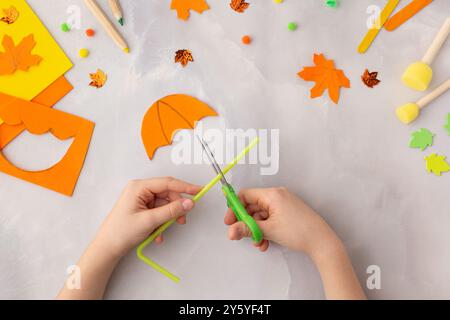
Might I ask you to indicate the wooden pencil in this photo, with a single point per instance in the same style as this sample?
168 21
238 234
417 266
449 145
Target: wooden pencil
116 10
107 24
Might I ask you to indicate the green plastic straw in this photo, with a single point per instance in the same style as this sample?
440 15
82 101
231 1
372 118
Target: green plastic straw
198 196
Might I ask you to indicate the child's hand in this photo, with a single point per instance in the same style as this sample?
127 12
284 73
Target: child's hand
283 218
143 206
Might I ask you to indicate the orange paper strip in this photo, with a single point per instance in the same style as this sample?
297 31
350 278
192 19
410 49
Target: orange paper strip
40 119
405 14
49 97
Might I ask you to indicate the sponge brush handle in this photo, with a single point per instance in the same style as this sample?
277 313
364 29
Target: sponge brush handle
438 42
436 93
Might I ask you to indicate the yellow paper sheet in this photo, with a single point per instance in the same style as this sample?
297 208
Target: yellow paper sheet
28 84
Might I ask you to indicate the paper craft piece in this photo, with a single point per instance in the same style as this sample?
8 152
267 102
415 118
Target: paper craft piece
405 14
168 115
447 126
436 164
370 79
54 64
239 5
39 119
10 15
183 57
49 97
17 57
196 198
421 139
184 6
98 79
326 76
373 32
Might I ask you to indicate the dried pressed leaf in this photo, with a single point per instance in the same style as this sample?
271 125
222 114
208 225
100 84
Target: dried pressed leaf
370 78
239 5
10 15
17 57
98 79
184 57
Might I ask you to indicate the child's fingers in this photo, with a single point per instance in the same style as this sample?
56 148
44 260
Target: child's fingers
230 218
182 220
160 185
264 246
238 231
258 197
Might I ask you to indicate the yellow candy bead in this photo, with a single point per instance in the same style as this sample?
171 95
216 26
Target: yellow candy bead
84 53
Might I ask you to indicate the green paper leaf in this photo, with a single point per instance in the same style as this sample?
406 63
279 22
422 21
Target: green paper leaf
447 126
436 164
421 139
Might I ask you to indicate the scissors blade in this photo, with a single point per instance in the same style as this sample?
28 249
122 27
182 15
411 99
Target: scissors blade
213 161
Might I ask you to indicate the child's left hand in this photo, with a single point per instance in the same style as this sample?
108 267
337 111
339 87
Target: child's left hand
143 206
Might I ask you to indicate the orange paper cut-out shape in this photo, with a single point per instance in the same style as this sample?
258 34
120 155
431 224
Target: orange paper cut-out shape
49 97
184 6
39 119
168 115
17 57
326 76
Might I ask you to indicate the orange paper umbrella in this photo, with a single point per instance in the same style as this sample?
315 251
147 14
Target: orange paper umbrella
168 115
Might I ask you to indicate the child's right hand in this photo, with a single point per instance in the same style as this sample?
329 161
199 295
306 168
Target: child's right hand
283 218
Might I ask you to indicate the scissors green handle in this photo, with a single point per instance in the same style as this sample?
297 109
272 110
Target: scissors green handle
241 213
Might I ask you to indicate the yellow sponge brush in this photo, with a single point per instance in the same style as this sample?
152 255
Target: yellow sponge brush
410 111
418 76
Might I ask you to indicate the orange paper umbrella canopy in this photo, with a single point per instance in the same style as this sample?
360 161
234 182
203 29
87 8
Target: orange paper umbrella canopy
168 115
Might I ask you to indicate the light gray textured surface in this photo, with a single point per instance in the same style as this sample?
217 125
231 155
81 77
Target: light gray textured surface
350 162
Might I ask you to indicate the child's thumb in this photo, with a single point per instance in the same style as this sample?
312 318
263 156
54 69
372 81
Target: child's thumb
171 211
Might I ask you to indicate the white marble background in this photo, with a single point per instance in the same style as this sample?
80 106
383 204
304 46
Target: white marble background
351 162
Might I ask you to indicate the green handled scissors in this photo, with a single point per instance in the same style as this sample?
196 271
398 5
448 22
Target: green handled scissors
233 201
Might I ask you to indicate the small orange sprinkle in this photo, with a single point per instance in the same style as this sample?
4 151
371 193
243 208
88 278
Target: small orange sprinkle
90 32
246 39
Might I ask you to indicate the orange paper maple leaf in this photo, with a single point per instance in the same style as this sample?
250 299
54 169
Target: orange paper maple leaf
326 76
17 57
184 6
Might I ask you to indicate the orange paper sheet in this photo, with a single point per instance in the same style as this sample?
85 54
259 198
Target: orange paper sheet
405 14
49 97
39 119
